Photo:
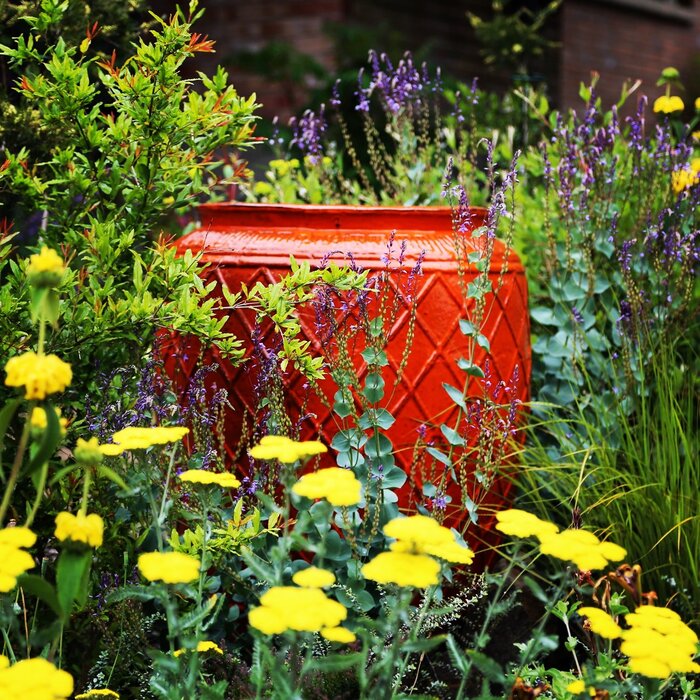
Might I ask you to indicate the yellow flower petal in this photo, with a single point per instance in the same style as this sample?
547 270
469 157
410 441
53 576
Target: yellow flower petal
169 567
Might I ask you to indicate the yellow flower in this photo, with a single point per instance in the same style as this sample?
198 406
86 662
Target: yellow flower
39 422
286 450
696 135
342 635
520 523
17 537
140 438
202 647
658 643
576 687
13 559
684 179
313 577
697 104
420 534
201 476
46 268
338 486
600 622
98 693
80 528
33 679
668 104
581 547
285 608
402 569
40 375
169 567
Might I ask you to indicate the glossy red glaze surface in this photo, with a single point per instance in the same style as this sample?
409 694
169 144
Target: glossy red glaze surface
247 243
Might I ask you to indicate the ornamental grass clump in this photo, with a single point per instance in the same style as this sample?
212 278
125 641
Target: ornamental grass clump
613 270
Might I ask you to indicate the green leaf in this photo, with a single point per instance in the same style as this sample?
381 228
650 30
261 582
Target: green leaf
110 474
490 668
72 578
50 438
334 662
440 456
340 406
470 368
374 387
455 394
376 418
378 445
543 315
458 658
42 589
142 593
6 414
374 356
467 327
452 436
421 645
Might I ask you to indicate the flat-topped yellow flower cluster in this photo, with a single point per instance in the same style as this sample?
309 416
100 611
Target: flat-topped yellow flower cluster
411 561
581 547
33 679
13 558
657 642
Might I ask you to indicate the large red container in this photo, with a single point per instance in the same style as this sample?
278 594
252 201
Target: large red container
247 243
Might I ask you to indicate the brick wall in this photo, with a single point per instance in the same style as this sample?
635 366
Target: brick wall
247 25
623 43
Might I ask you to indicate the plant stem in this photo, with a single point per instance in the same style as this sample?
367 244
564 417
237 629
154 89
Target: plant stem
87 481
16 464
39 494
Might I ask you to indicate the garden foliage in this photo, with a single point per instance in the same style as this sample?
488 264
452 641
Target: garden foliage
135 562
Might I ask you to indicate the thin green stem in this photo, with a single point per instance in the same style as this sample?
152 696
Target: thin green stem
42 335
16 464
87 481
39 494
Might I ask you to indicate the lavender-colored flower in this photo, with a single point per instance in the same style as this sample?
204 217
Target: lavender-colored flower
308 131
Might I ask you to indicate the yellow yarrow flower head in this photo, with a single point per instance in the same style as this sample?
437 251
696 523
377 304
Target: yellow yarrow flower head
658 643
13 559
284 608
420 534
39 422
98 693
696 136
403 569
600 622
169 567
80 528
40 375
202 476
338 486
697 104
313 577
667 104
520 523
33 679
341 635
202 647
46 268
134 438
285 449
582 548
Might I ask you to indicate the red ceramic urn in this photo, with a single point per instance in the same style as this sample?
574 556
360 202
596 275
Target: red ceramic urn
248 243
